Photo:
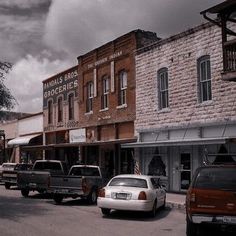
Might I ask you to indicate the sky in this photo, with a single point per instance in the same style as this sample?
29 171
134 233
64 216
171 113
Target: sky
44 37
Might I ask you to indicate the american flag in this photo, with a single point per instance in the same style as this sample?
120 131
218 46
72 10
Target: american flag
136 168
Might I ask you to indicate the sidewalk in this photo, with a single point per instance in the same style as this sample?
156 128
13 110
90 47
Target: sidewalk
175 200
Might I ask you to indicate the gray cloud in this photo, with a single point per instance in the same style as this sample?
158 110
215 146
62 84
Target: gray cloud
44 37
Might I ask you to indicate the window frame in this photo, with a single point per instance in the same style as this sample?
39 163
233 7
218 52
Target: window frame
122 93
60 109
50 111
71 106
89 96
204 79
163 88
105 92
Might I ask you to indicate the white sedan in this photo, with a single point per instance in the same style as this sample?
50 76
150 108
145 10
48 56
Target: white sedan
133 193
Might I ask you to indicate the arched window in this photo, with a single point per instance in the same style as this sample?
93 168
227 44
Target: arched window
50 112
71 106
122 88
163 88
204 78
59 109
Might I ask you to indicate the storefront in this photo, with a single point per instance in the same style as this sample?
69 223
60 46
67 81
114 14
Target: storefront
176 157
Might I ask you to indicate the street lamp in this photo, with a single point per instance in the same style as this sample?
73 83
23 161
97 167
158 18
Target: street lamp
2 134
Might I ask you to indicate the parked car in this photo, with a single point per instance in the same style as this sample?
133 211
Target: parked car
9 176
132 192
211 199
6 166
83 181
38 179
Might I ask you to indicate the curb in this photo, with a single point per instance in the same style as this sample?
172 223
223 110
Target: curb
175 205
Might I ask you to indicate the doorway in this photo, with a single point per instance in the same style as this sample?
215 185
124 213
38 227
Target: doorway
185 171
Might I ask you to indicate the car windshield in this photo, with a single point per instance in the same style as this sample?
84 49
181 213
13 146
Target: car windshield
53 167
129 182
216 178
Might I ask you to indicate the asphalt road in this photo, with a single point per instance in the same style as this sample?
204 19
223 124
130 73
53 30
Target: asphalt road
39 216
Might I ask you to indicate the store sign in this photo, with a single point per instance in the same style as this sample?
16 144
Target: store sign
77 136
105 59
61 84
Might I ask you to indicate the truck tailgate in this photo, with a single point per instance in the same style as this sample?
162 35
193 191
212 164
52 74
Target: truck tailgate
33 179
66 182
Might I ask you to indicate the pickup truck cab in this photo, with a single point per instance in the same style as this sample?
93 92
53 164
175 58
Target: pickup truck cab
9 175
38 179
83 181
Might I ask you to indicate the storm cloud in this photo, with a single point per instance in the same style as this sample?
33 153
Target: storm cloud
44 37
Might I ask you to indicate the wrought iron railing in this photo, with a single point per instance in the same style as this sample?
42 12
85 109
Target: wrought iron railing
229 50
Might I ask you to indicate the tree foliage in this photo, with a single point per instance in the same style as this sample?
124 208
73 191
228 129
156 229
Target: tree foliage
7 101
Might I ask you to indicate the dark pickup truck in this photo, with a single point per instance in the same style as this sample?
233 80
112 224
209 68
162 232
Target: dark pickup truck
83 181
39 178
9 175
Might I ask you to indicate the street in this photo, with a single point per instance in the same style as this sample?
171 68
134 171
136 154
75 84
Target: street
38 215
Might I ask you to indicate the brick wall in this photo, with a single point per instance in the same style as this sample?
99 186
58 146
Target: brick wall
179 54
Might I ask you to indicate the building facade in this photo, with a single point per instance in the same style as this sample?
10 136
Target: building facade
21 136
185 112
107 102
60 115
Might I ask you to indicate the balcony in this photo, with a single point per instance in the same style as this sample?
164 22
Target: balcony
229 61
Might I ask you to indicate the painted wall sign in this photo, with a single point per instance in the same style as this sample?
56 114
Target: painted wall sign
105 59
77 136
60 85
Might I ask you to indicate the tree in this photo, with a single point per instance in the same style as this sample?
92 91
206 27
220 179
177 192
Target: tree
7 101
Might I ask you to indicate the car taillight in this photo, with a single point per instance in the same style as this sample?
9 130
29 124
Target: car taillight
101 192
142 196
192 197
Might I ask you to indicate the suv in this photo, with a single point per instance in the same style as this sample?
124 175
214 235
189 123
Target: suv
211 199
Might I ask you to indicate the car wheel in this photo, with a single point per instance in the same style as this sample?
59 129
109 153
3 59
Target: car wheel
25 192
92 198
106 211
164 205
191 228
7 185
154 210
57 198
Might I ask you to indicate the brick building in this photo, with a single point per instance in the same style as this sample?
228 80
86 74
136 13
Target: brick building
107 102
60 110
185 112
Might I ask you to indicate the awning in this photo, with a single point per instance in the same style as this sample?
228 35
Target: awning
24 140
65 145
179 142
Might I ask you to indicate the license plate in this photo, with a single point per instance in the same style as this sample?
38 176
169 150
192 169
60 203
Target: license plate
121 196
61 191
229 219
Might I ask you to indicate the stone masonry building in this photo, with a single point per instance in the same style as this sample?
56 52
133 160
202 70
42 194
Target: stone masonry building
185 112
